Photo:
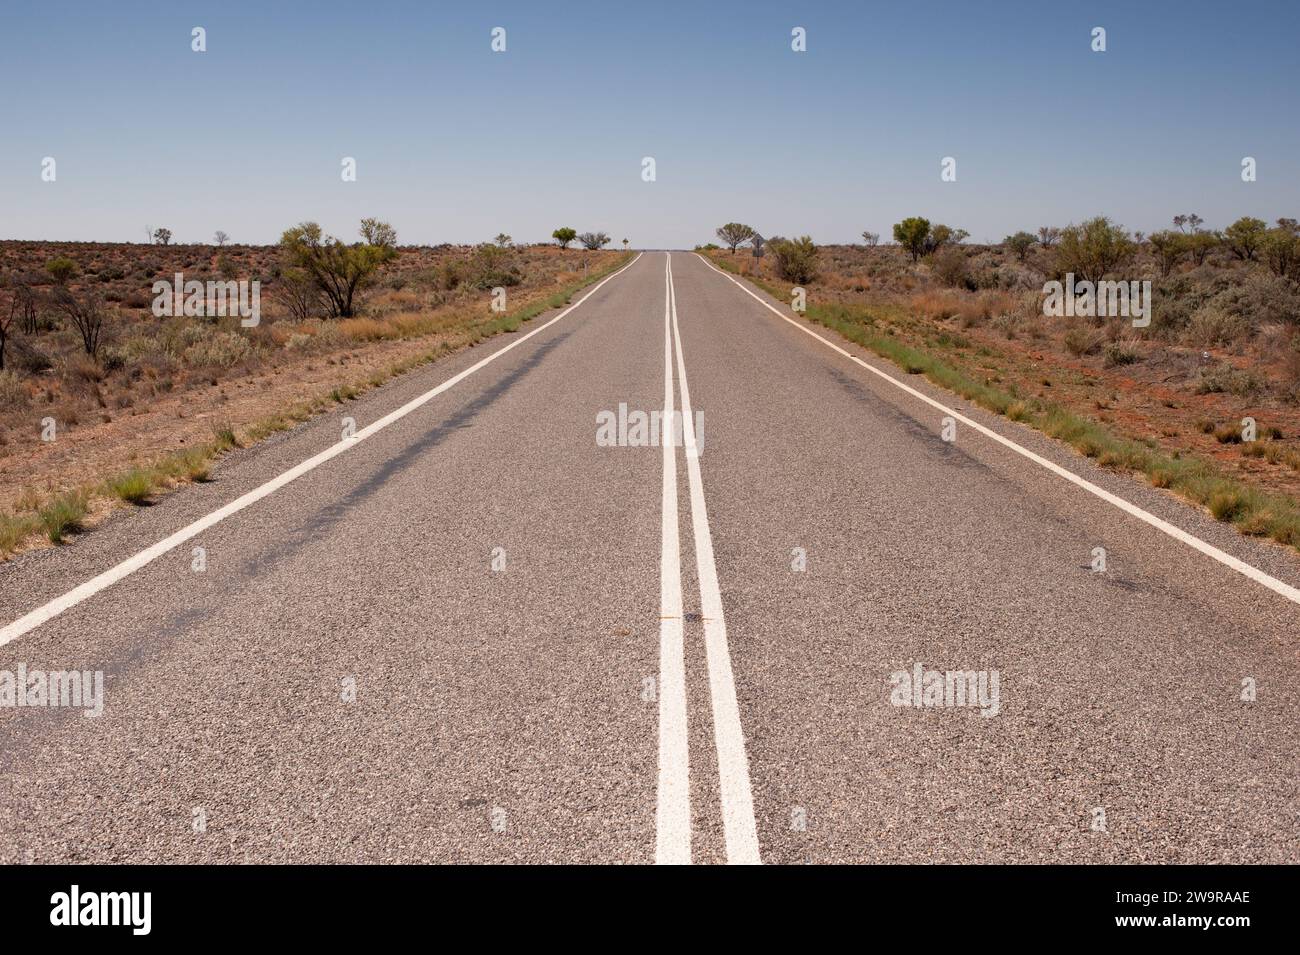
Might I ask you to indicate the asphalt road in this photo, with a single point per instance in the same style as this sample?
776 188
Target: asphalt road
481 634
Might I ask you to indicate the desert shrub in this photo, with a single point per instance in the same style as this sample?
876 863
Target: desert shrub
219 349
795 260
61 269
1121 352
1227 379
1214 325
1082 340
491 266
950 267
13 394
1270 298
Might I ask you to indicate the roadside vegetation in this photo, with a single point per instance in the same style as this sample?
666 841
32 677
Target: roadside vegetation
139 403
1171 400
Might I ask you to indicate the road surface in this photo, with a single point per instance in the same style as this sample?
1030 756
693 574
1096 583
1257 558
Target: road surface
479 631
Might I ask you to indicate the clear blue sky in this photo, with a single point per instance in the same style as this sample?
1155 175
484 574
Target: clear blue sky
456 143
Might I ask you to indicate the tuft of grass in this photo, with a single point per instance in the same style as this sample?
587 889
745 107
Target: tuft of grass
14 529
64 514
133 486
223 438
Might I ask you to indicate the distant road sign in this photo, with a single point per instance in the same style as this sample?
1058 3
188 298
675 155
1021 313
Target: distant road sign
757 242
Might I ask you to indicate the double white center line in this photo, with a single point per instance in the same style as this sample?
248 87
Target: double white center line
673 824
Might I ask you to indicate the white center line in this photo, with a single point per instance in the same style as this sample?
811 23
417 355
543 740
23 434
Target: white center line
58 605
1177 533
733 765
673 815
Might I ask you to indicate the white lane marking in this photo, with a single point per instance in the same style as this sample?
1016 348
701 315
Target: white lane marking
733 765
673 814
1177 533
40 615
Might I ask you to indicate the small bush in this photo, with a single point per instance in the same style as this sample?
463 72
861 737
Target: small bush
1082 340
222 350
1211 325
794 260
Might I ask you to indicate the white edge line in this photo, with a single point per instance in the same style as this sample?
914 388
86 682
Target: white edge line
673 812
30 621
739 827
1223 557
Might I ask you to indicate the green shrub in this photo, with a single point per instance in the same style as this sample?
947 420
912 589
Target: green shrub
794 260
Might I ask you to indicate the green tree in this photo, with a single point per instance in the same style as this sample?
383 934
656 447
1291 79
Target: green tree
734 233
338 270
1281 250
1243 237
1094 248
1020 244
564 235
1201 244
912 234
1168 247
378 233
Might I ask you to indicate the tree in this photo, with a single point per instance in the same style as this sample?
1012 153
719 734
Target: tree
564 235
86 315
162 236
379 234
593 240
912 234
8 318
1243 237
1200 244
1020 244
503 240
61 269
1048 236
220 238
1281 250
941 235
339 271
1168 247
1188 223
795 260
734 233
872 239
1094 248
25 301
